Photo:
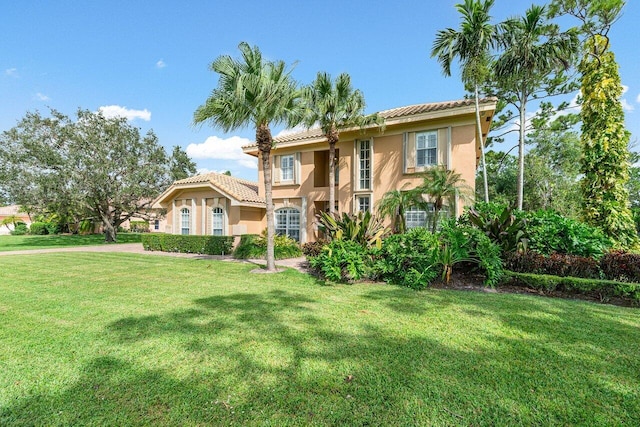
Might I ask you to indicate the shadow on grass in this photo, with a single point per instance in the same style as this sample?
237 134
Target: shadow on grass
61 240
273 358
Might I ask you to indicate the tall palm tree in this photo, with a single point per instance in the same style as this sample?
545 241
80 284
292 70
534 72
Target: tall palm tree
256 92
533 50
442 186
335 106
471 45
394 204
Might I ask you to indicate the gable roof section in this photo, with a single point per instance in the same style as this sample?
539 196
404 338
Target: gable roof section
240 190
392 117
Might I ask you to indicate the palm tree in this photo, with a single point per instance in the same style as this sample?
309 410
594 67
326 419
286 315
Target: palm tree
471 45
253 91
394 204
335 106
532 50
442 186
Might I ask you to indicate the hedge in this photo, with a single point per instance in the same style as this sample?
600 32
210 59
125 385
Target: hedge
602 288
209 245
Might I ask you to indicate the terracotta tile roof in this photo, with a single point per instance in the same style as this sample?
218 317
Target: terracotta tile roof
240 189
407 111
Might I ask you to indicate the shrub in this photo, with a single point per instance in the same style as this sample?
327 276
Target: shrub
38 228
311 249
252 246
53 227
601 288
562 265
621 266
341 261
550 232
20 229
139 226
499 223
210 245
363 228
408 259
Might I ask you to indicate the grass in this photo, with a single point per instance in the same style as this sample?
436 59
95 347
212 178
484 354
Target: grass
122 339
19 243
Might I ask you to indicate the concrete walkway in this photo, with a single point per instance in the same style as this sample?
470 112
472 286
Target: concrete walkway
299 264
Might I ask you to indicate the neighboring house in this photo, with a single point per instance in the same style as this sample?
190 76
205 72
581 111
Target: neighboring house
370 163
213 204
9 211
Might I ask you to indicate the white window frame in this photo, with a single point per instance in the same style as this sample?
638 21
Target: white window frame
287 168
359 202
217 212
364 164
185 218
427 142
288 222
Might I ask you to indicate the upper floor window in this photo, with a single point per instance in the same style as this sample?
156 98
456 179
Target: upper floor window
426 148
286 167
217 223
288 223
185 221
364 164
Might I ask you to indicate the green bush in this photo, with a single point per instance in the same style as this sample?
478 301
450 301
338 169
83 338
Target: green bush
20 229
209 245
408 259
252 246
500 223
139 226
550 232
38 228
363 228
342 261
53 227
601 288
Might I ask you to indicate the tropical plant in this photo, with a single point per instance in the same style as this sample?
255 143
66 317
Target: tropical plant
342 261
471 44
533 51
253 91
442 186
11 220
363 228
500 224
335 106
393 204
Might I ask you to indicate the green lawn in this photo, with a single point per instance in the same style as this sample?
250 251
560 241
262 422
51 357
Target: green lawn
19 243
122 339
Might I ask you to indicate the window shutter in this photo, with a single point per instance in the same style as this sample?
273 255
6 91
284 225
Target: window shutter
296 169
410 152
442 147
276 169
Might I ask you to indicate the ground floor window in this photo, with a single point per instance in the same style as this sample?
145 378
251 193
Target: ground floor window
363 203
217 224
288 223
156 224
185 221
420 217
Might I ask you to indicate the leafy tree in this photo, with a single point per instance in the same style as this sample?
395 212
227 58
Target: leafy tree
180 165
93 167
442 186
534 53
11 220
471 45
335 106
253 92
605 160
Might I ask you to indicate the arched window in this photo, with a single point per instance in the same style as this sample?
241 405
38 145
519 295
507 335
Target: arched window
288 223
217 222
185 221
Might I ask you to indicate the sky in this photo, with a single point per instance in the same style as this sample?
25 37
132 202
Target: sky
149 60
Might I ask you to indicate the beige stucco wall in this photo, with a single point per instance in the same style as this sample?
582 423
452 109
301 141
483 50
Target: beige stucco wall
200 202
456 149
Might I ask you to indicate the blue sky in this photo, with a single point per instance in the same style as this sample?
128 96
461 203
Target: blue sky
149 60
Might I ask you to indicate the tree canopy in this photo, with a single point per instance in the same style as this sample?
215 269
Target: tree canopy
92 167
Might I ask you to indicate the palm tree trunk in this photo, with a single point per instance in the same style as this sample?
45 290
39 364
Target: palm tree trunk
263 139
333 139
520 186
479 136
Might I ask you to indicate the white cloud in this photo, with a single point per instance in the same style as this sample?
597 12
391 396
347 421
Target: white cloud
11 72
638 98
625 88
223 149
42 97
161 64
626 106
118 111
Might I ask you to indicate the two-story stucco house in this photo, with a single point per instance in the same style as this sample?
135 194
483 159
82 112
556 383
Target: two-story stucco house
370 163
